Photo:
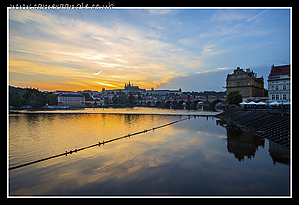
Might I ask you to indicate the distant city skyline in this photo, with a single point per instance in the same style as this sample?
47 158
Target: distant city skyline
191 49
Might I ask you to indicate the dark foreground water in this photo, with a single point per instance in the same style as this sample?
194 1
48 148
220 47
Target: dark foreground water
191 157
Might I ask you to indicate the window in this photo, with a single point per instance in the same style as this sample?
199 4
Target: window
277 97
284 97
276 87
238 83
272 87
248 82
273 97
244 82
284 87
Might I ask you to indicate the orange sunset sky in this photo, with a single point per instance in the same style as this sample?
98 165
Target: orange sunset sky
192 49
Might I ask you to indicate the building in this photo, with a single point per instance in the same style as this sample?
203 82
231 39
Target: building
132 88
246 82
128 88
279 83
72 100
153 92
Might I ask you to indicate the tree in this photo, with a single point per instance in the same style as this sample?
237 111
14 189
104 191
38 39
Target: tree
106 100
32 100
40 101
234 97
115 99
86 95
15 99
131 99
139 97
51 99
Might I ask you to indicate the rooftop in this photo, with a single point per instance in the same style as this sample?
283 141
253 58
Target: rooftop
280 70
70 95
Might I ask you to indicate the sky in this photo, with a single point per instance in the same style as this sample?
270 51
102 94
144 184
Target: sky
191 49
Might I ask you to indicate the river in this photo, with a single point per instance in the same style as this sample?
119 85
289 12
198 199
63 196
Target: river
196 156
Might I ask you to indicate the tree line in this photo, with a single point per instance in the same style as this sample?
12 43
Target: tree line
32 97
123 99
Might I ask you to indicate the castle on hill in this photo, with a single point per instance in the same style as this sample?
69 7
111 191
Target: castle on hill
131 87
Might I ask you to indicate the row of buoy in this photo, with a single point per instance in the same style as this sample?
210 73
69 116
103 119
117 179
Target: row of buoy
97 144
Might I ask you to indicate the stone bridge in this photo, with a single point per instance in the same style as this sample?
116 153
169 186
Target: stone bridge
180 103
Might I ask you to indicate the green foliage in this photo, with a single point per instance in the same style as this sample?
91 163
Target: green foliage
32 97
115 99
131 99
106 100
15 99
86 95
234 97
51 99
122 99
139 97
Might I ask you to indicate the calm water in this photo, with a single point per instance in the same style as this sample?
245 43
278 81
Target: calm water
191 157
134 110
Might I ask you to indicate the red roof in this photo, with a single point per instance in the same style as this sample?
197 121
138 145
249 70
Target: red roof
280 70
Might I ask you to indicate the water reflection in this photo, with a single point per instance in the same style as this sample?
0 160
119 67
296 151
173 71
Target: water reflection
187 158
279 154
243 144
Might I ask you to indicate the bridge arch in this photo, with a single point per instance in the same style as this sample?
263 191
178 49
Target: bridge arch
180 103
213 104
194 103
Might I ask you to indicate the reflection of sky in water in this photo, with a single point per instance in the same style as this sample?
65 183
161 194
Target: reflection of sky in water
190 157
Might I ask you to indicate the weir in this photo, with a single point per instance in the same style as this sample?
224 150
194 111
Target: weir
94 145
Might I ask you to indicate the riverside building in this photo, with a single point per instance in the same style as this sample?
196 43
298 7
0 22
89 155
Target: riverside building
279 83
246 82
72 100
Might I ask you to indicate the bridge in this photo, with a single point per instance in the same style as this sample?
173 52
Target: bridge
180 103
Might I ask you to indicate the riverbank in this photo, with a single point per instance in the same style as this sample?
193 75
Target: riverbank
275 127
133 110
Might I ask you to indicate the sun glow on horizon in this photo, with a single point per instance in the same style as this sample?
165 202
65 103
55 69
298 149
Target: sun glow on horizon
85 49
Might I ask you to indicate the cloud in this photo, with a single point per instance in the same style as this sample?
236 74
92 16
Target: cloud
98 72
224 68
208 80
186 41
197 63
92 45
248 20
152 48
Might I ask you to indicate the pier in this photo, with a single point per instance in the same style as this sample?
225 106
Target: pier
273 126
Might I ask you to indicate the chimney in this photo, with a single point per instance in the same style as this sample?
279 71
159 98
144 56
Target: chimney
248 70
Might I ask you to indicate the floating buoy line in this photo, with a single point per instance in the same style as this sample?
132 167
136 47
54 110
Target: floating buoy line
94 145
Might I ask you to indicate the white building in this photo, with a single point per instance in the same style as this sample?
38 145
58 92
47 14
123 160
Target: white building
72 100
279 83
